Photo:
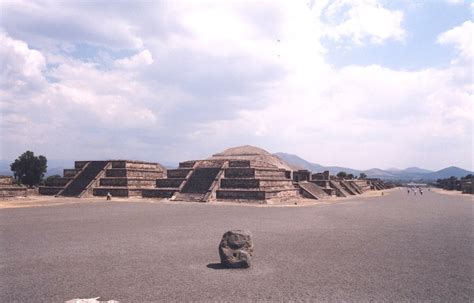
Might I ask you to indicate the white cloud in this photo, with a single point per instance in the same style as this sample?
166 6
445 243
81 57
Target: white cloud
230 73
362 21
20 66
138 60
461 38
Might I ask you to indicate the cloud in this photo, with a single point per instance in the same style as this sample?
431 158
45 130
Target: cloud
21 68
461 38
143 58
362 22
174 81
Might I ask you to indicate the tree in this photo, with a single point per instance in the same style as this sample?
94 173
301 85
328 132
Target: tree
341 174
350 176
362 176
29 169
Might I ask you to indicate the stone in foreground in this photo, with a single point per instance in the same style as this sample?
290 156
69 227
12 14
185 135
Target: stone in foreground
236 249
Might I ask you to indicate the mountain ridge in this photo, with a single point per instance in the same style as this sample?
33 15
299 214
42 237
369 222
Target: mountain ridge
409 173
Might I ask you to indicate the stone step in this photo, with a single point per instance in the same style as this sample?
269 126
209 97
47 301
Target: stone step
177 172
239 183
49 190
158 192
118 191
340 192
84 178
187 164
239 172
190 197
170 182
134 173
282 193
200 180
251 172
245 183
240 194
69 172
271 173
312 190
239 163
136 165
127 182
60 182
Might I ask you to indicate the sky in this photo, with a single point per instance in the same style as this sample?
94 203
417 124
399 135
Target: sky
355 83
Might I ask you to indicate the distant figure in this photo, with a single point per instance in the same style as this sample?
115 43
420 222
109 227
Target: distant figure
414 191
382 193
109 196
408 190
421 191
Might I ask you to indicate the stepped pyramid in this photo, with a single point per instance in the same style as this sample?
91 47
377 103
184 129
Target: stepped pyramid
239 173
120 178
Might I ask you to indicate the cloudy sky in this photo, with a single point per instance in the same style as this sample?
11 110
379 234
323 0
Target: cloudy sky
358 83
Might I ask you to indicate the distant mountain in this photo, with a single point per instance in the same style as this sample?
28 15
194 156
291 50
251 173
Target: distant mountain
448 172
416 170
300 163
410 173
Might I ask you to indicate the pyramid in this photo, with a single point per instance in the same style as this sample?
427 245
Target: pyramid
238 173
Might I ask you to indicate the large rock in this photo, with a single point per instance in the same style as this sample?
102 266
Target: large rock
236 249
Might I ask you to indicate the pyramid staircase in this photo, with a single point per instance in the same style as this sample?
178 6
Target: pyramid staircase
356 187
312 191
362 184
346 185
58 184
77 186
191 181
340 191
120 178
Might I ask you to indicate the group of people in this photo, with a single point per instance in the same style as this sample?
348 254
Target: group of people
415 190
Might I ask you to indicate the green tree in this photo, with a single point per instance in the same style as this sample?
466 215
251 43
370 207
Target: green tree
350 176
362 176
341 174
29 169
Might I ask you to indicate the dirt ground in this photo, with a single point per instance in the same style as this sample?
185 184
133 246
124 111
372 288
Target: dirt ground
41 201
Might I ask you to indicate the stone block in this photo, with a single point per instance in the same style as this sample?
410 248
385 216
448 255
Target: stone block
236 249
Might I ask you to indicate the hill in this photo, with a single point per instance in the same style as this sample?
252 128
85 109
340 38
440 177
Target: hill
410 173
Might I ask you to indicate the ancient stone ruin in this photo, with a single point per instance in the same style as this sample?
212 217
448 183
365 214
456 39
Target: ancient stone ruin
9 190
240 173
120 178
244 173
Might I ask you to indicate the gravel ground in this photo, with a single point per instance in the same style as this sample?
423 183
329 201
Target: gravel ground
392 248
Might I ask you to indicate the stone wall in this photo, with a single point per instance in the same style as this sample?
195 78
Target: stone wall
301 175
125 182
117 192
135 164
178 173
49 190
240 183
6 180
241 172
173 182
69 172
240 195
133 173
8 192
